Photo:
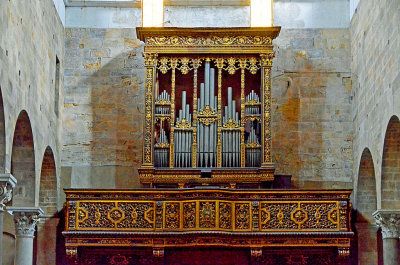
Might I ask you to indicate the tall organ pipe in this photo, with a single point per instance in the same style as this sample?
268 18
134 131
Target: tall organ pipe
231 137
207 134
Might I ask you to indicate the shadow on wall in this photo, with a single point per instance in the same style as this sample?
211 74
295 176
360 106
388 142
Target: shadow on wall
116 102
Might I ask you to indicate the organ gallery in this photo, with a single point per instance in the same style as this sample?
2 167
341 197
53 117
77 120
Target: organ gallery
210 194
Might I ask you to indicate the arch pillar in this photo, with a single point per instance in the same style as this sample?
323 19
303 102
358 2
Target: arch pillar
7 184
25 219
389 222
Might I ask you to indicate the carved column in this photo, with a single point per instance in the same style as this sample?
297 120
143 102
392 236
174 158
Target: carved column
389 222
150 60
25 219
266 65
7 184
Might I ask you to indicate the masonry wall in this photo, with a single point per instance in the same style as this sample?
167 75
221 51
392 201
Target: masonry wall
312 130
31 38
375 66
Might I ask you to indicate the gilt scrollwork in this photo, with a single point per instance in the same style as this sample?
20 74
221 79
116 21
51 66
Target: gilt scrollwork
231 124
242 216
207 115
183 124
189 215
115 215
190 41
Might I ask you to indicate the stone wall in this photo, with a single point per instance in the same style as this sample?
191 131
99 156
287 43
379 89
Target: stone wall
312 130
31 38
375 66
104 101
311 112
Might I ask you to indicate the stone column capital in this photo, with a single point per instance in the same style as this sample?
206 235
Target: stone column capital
25 219
7 184
389 222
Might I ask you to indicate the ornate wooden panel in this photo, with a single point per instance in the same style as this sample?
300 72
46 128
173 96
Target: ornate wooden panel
202 215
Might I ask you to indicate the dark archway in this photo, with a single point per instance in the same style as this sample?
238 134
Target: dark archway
366 188
48 197
23 162
48 184
390 182
2 135
366 204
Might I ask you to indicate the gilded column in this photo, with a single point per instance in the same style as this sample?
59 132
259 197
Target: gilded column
220 65
7 184
266 65
242 66
25 219
174 64
389 222
150 60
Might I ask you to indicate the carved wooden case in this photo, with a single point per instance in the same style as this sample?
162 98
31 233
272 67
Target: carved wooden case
207 106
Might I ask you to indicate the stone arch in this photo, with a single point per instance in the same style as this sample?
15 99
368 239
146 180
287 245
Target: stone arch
2 135
366 202
46 239
390 181
48 194
23 162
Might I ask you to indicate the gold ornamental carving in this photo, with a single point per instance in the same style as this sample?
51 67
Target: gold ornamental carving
190 41
206 115
183 124
202 214
231 124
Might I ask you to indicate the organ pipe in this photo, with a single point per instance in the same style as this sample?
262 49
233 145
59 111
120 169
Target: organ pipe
232 146
231 134
207 138
183 136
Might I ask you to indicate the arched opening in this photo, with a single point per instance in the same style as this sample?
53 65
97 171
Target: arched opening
23 162
366 188
2 135
390 183
48 197
366 204
48 184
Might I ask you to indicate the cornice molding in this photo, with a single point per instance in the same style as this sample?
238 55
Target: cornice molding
137 3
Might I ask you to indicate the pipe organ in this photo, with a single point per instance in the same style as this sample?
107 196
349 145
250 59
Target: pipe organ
207 122
208 104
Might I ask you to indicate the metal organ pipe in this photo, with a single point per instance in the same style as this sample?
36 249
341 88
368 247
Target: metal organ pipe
231 136
183 137
207 134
